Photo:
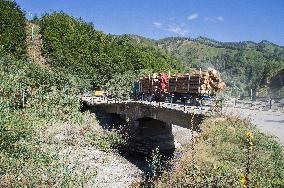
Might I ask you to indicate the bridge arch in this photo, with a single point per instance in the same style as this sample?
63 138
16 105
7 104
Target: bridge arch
150 133
151 126
115 121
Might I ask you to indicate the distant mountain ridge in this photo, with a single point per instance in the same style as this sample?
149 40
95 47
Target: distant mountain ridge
215 43
206 40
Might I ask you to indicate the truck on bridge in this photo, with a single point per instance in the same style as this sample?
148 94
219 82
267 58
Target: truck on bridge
184 87
191 87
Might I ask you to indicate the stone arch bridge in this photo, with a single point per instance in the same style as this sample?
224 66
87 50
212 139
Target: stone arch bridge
151 122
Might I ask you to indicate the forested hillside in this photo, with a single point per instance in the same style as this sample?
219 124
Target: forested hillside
73 44
243 65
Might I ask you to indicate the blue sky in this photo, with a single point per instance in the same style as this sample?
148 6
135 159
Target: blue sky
224 20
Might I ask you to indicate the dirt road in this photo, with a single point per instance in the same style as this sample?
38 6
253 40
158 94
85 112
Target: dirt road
268 121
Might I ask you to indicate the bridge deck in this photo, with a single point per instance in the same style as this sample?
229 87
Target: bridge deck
185 108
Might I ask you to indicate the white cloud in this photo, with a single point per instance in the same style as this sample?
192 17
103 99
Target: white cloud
158 24
177 29
30 14
193 16
215 20
210 19
220 18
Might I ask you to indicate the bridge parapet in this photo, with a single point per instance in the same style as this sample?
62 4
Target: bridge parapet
93 101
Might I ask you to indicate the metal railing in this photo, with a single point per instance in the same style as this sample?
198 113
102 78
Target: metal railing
272 104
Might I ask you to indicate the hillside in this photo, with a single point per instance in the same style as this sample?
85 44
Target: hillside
243 65
42 129
277 82
76 46
99 57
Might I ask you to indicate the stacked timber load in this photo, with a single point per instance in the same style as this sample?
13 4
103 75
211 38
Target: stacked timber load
190 83
195 83
153 83
214 80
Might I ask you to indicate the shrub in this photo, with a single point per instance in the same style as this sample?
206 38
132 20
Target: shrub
12 30
221 158
31 96
107 141
155 162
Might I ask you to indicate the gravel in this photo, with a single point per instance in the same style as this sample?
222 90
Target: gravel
97 168
270 122
111 170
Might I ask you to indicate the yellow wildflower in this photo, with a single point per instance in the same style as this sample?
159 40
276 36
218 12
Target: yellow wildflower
249 134
243 181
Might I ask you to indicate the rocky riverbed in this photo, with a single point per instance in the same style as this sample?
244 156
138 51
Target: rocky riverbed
100 168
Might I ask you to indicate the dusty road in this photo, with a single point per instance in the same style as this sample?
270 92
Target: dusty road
268 121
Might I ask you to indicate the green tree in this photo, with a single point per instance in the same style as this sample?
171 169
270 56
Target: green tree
12 30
